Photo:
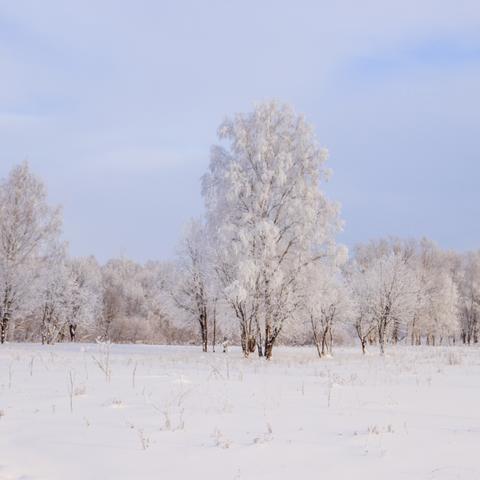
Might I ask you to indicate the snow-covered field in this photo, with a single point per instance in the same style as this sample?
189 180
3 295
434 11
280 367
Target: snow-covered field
149 412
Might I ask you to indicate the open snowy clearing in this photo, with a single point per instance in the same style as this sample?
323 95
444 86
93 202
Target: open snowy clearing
147 412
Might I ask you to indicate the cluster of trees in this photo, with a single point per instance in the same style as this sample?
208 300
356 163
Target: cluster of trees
413 291
261 267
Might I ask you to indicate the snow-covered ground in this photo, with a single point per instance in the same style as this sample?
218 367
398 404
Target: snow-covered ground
176 413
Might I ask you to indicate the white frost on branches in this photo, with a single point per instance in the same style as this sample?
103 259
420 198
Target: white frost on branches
268 216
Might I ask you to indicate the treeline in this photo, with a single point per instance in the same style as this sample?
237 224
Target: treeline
261 267
48 296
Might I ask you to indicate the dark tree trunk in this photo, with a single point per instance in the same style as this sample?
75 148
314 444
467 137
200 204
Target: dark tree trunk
214 339
252 344
204 330
6 307
326 340
4 327
268 348
244 341
269 342
73 331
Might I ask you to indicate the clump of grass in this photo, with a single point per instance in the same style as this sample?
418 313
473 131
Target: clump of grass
117 403
377 430
220 440
144 438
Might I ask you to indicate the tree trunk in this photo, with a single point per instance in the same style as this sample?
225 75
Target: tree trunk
363 342
244 341
205 339
259 339
4 327
6 307
316 340
269 340
73 331
382 331
324 342
268 349
44 326
252 344
395 333
381 336
214 329
204 330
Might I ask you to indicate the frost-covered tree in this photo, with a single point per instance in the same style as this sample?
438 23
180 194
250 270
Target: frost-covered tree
435 316
28 228
418 276
329 305
124 308
268 217
363 319
85 295
389 294
326 303
468 282
157 279
193 292
55 288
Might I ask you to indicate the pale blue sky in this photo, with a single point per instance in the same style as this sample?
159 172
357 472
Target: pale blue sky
115 104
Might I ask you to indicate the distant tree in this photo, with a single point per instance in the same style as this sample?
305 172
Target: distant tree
85 295
124 308
363 320
389 293
469 297
435 316
28 228
54 297
156 279
326 303
193 292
